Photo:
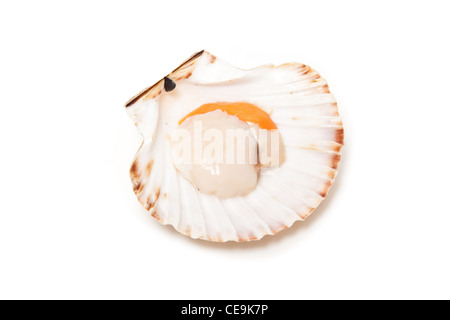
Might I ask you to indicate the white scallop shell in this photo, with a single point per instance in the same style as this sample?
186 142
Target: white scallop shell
301 105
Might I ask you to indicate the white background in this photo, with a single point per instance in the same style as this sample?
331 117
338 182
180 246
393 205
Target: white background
70 225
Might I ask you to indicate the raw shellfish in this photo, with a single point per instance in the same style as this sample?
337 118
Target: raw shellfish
295 97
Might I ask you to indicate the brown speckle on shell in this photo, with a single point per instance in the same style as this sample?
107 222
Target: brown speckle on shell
147 94
187 231
184 75
306 214
334 162
138 186
339 136
312 147
149 167
325 190
156 215
331 174
195 56
134 170
336 147
185 70
304 69
316 78
150 203
275 230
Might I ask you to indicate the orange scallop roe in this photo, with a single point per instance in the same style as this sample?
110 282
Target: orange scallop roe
246 112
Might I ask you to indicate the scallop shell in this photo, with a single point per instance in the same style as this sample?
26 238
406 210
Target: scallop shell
299 102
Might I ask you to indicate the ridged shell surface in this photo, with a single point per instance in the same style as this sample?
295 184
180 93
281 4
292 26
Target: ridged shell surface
299 102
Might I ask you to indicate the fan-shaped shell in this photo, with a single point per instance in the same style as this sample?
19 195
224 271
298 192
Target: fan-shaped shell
299 102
